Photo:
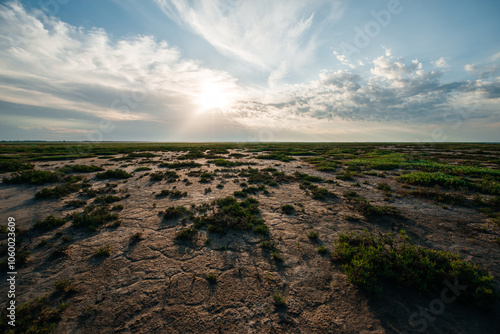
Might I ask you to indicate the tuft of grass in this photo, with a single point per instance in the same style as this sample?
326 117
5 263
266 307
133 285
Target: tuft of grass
287 209
93 217
76 203
186 234
80 169
322 249
65 286
40 315
211 278
103 251
368 259
307 177
33 177
142 169
49 223
384 187
279 300
107 199
313 235
175 212
113 174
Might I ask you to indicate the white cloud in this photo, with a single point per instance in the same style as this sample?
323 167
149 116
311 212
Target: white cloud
471 68
48 63
496 56
263 33
440 63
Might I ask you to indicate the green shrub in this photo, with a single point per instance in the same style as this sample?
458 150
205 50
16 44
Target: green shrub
175 212
142 169
113 174
384 187
80 169
287 209
65 286
368 259
93 217
103 251
49 223
186 234
33 177
211 278
58 191
322 249
107 199
279 300
313 235
9 165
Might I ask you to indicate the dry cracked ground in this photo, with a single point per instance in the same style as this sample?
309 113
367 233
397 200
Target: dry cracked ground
138 276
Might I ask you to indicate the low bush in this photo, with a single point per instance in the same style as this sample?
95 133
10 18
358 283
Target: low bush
368 260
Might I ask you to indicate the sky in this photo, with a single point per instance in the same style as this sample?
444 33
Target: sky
250 71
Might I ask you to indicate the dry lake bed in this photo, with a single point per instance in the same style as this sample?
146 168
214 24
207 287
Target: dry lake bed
250 238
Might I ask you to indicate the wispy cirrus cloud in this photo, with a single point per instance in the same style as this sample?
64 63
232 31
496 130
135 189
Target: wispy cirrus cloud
273 35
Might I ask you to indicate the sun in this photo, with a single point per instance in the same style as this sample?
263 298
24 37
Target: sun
212 97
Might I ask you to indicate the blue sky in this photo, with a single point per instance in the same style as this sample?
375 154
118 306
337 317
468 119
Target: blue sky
234 70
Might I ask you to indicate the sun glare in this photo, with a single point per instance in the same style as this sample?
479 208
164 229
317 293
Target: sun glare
212 97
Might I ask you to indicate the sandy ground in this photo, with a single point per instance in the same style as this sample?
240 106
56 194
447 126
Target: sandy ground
158 285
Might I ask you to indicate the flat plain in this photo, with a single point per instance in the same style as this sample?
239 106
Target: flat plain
252 238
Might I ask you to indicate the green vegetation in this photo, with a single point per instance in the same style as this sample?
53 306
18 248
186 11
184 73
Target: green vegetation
58 191
80 169
33 177
92 217
186 234
225 163
113 174
76 203
231 214
321 250
175 212
287 209
142 169
39 315
103 251
363 206
276 156
49 223
279 300
65 286
211 278
13 165
313 235
307 177
107 199
368 260
180 165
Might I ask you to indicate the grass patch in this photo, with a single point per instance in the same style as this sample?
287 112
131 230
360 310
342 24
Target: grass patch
186 234
176 212
113 174
39 315
14 166
49 223
80 169
231 214
92 217
103 251
225 163
211 278
287 209
180 165
142 169
33 177
368 260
